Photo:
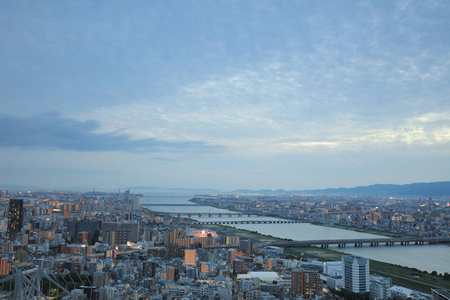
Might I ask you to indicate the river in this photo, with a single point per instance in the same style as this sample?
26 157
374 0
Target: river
425 257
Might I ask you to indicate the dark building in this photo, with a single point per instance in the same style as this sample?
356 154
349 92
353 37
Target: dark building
149 268
117 237
84 237
130 228
15 218
238 266
76 227
246 247
306 282
99 294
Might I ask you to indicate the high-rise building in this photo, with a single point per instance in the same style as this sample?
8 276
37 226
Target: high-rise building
306 283
191 272
169 275
246 247
173 236
75 227
380 287
238 266
3 193
355 272
5 266
149 268
271 263
205 267
15 218
231 255
190 256
130 228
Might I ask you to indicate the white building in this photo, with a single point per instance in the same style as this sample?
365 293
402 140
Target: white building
355 272
332 268
380 287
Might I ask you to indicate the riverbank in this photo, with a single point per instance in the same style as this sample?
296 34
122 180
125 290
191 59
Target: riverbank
370 231
242 233
356 229
402 276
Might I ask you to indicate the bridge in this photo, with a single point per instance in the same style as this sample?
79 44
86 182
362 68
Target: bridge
164 204
247 222
203 214
341 243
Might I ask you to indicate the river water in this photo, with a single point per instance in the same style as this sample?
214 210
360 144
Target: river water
425 257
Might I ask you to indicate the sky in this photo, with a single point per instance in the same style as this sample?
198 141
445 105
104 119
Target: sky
224 94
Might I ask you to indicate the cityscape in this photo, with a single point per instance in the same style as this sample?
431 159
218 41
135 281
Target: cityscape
125 245
223 149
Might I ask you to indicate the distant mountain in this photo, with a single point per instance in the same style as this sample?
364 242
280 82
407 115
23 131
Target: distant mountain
430 189
418 189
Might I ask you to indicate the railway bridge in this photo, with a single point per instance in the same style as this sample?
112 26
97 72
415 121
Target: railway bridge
247 222
341 243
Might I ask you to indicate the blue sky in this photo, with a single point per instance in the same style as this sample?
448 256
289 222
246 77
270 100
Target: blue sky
224 94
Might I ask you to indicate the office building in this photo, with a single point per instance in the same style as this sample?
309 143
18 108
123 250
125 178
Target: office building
130 229
231 255
306 282
271 263
380 287
238 266
355 273
191 272
246 247
5 266
15 218
149 268
205 267
76 227
190 256
170 275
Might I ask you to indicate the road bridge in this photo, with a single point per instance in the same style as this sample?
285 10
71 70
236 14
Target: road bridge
246 222
341 243
204 214
164 204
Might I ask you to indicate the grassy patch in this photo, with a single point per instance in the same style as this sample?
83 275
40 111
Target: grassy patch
409 277
376 232
402 276
321 254
242 233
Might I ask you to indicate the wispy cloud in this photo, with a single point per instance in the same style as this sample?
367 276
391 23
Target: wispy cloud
55 132
281 107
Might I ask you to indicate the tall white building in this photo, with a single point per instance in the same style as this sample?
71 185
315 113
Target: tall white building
355 274
380 287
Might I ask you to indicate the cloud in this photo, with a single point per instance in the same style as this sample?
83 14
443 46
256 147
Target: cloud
278 107
52 131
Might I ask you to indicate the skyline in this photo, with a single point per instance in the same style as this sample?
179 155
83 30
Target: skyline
224 95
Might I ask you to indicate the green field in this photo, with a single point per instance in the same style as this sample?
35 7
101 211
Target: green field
377 232
246 234
402 276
